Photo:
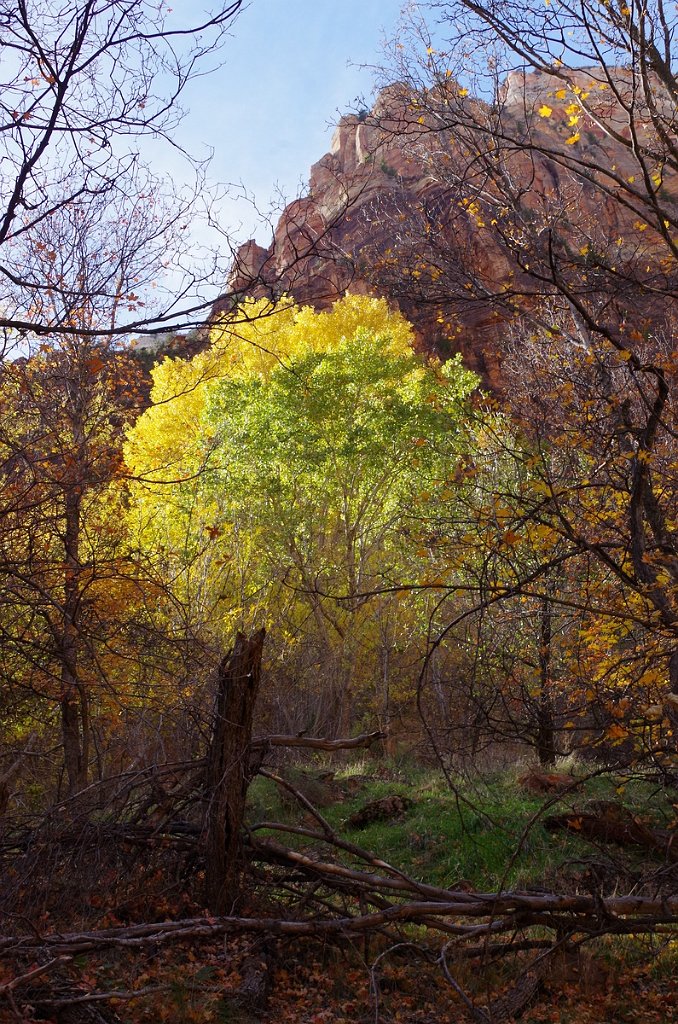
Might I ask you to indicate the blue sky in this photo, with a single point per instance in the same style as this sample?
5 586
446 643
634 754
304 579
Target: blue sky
289 69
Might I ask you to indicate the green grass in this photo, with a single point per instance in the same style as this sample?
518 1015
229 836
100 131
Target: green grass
476 831
446 838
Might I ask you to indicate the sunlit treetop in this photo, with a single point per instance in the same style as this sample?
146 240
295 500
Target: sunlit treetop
252 342
261 336
358 348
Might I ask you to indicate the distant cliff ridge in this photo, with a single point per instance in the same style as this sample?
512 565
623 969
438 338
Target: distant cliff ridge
391 209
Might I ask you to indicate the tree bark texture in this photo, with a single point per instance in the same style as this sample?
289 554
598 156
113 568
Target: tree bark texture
227 768
74 700
546 733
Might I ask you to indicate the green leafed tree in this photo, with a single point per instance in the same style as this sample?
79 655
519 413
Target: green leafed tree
308 443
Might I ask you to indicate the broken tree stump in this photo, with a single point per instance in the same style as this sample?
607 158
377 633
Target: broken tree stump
227 769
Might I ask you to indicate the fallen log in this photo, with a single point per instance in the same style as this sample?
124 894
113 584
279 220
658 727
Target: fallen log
384 809
365 739
610 822
577 913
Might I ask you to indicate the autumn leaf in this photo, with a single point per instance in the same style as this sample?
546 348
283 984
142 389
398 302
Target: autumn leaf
616 733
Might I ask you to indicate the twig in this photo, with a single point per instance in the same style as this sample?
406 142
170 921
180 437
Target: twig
21 979
99 997
478 1015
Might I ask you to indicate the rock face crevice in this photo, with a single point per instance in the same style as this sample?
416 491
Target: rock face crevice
403 207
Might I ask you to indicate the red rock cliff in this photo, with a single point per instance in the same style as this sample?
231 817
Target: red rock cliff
391 209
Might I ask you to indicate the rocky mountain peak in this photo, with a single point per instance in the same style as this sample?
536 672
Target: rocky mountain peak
390 208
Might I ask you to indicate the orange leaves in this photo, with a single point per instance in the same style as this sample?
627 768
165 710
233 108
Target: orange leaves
95 364
616 733
50 254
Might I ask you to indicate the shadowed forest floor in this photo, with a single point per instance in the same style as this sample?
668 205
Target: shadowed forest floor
474 833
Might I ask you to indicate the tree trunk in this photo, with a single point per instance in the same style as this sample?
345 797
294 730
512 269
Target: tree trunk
546 740
673 704
74 704
227 768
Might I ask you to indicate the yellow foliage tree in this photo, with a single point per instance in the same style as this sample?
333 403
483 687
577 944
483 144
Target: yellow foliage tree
276 473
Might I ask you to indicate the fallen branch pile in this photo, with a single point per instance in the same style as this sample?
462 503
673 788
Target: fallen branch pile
495 913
